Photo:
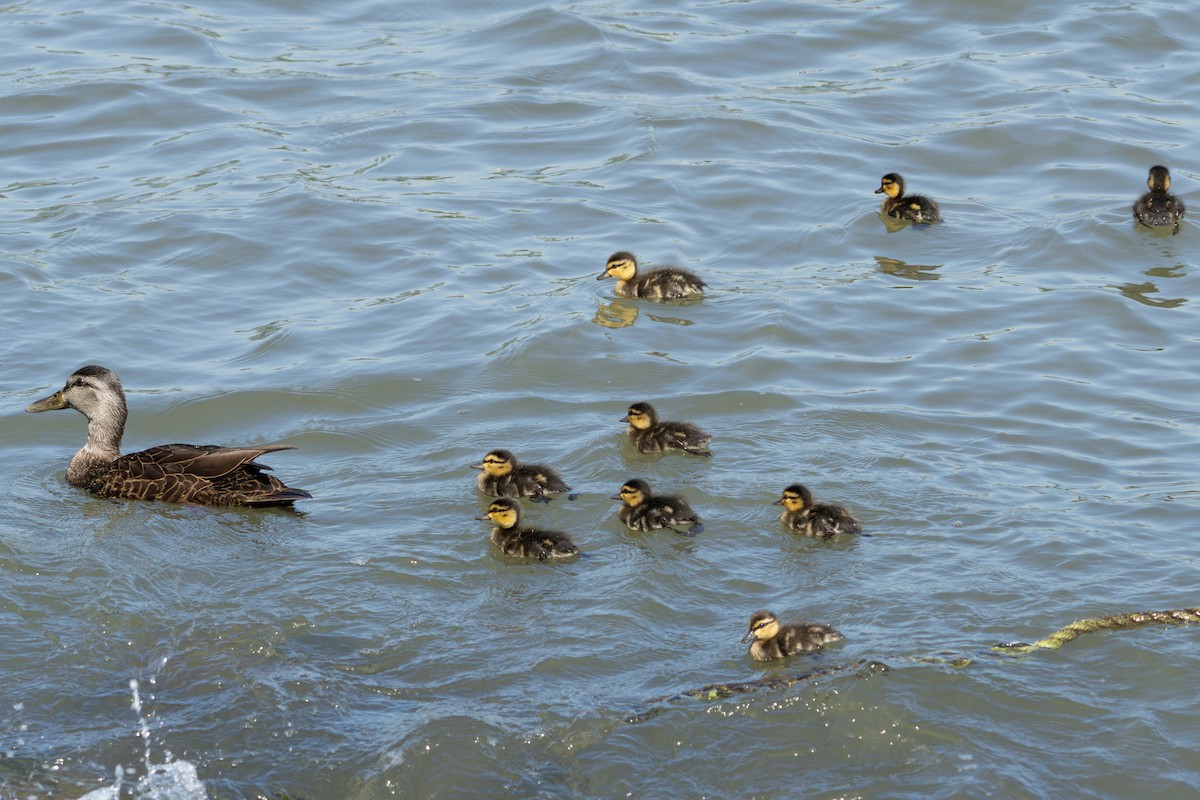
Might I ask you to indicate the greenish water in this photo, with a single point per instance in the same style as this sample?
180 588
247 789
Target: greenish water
372 230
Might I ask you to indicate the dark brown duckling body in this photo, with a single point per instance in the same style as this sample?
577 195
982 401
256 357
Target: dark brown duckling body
1158 208
642 510
503 476
912 207
820 520
661 283
523 541
772 640
173 473
650 435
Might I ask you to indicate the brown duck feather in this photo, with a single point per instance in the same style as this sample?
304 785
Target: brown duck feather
189 473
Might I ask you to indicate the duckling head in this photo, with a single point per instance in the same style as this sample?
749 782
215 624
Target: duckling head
892 185
621 265
633 493
1159 180
641 416
504 512
763 625
795 498
497 463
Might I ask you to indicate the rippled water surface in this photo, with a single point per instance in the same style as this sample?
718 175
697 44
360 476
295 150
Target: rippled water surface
372 230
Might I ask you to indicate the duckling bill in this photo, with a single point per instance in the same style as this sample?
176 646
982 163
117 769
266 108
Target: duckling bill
650 435
503 476
523 541
772 640
642 510
913 207
661 283
1158 208
819 520
173 473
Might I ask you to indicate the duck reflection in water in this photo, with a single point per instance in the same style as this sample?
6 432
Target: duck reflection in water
622 313
912 272
1140 292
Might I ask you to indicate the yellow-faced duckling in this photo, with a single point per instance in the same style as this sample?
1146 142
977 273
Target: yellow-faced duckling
912 207
774 640
649 435
504 477
1158 208
821 520
175 473
662 283
513 539
642 510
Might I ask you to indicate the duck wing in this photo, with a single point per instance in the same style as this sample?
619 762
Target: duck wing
201 460
188 473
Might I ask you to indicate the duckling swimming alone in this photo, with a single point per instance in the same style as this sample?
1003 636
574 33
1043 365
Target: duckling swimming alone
821 520
651 436
773 640
504 477
204 474
913 207
526 542
661 283
1158 208
644 511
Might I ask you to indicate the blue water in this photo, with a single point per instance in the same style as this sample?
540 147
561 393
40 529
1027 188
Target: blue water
372 230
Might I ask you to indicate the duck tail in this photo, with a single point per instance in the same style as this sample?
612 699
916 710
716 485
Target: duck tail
281 497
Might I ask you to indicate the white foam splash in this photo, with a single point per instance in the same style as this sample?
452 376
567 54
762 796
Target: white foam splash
171 780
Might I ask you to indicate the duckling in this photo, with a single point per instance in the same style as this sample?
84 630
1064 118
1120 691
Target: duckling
773 640
526 542
504 477
663 283
1158 208
821 520
644 511
913 207
204 474
651 436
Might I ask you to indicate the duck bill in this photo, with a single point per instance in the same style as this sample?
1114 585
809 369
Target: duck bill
54 402
484 517
602 275
475 466
623 419
749 637
778 502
